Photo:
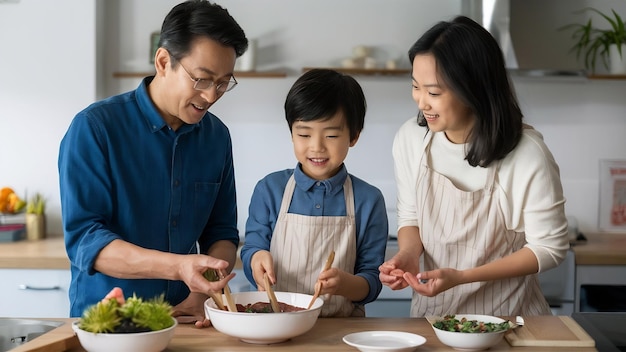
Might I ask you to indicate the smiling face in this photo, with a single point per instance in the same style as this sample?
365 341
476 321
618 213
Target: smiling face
172 89
442 110
321 146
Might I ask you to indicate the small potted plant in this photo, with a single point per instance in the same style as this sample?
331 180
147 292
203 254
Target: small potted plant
36 218
593 42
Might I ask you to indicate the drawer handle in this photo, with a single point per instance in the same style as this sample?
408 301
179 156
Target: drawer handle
35 288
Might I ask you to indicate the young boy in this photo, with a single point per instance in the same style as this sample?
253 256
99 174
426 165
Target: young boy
298 216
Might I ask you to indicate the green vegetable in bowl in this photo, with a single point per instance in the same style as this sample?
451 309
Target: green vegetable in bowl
450 323
114 314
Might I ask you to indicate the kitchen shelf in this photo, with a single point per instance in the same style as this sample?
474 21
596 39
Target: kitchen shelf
366 71
238 74
613 77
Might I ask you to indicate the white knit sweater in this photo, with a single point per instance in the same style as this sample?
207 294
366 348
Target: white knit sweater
532 196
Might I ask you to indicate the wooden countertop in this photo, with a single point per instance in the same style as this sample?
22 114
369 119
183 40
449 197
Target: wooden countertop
48 253
325 336
601 249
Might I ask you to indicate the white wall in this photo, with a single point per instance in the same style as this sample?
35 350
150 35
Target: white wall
581 122
47 74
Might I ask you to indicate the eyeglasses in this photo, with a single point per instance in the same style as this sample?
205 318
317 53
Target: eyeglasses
204 84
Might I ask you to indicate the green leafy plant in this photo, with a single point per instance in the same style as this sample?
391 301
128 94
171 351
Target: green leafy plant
134 315
592 42
36 205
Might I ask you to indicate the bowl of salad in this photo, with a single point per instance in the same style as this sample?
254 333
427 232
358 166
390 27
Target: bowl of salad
470 332
255 322
126 324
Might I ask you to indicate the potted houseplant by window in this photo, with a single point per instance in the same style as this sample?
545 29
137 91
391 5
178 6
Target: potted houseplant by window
593 42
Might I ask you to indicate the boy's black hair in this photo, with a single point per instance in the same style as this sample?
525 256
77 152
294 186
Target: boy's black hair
320 93
198 18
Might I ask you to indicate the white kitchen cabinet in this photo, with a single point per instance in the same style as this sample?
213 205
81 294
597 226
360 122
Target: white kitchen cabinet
34 293
43 293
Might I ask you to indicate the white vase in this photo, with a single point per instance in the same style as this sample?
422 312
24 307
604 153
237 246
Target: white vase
247 61
617 62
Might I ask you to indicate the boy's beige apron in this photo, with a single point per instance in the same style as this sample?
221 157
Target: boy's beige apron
464 230
301 244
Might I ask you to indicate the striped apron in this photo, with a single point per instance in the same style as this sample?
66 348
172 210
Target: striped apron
463 230
301 244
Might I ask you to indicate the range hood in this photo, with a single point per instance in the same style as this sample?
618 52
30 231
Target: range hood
528 34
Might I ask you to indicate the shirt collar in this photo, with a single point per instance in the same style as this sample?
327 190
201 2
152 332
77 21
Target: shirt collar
149 111
333 185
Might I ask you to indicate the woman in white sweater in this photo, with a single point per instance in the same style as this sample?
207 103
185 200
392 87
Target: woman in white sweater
480 202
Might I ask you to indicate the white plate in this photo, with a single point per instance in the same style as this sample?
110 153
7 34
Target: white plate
374 341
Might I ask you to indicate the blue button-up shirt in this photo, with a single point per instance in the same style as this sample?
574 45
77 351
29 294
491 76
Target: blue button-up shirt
124 174
321 198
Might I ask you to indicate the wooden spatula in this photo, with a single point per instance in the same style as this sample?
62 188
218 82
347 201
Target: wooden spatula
218 300
230 303
318 284
270 294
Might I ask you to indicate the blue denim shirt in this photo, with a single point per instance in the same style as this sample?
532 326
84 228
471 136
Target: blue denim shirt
321 198
124 174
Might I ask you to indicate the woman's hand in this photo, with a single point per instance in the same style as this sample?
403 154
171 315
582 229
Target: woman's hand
431 283
392 272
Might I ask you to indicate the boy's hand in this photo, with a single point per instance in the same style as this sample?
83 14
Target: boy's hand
261 263
331 280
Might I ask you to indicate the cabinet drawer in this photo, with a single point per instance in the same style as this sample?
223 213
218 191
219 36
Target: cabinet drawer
34 293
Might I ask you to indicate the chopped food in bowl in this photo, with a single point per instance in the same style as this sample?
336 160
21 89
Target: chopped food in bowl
470 332
264 326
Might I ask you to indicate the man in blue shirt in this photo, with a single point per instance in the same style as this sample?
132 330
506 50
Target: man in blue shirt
146 177
298 216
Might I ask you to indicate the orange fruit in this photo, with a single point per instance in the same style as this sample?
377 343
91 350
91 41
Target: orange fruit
5 200
4 192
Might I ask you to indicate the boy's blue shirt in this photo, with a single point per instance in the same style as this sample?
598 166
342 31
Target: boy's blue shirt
321 198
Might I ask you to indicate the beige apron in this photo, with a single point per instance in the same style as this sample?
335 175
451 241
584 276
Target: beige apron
301 244
464 230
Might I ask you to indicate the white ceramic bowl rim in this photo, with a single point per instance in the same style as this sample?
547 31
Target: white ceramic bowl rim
264 328
128 342
468 341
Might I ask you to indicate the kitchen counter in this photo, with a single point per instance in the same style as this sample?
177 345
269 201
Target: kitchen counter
601 249
325 336
48 253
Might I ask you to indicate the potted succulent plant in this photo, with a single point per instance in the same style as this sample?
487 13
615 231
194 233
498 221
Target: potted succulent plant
593 42
36 218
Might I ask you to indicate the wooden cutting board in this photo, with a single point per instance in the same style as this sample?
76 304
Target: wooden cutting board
566 333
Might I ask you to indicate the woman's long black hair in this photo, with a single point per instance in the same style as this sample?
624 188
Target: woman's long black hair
470 63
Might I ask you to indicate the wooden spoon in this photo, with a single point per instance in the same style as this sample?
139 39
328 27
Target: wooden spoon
218 300
318 284
270 294
230 303
318 289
